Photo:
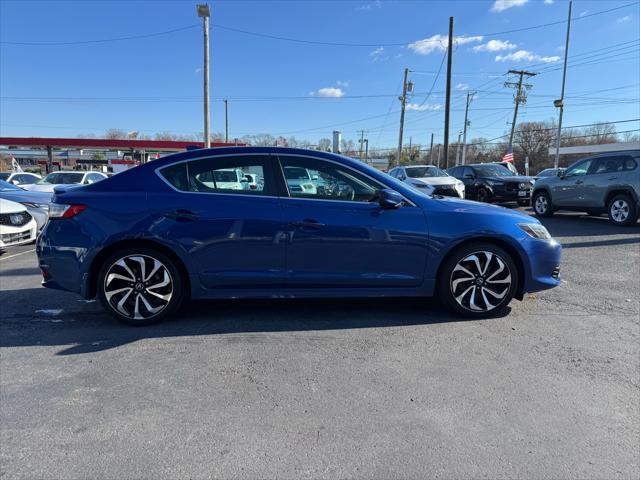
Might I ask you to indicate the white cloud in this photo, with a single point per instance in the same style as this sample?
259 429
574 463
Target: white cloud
548 2
438 43
378 55
377 52
495 46
462 86
525 55
330 92
582 14
422 108
342 83
369 6
624 19
198 70
502 5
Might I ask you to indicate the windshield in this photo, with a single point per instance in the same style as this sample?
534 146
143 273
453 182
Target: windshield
6 186
61 178
296 173
493 171
423 172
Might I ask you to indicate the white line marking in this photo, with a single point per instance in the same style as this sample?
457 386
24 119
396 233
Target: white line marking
16 255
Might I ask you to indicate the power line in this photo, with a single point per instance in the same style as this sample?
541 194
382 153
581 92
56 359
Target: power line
104 40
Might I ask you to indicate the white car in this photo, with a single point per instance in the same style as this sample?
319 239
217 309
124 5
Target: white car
17 226
429 179
20 178
224 179
74 177
299 180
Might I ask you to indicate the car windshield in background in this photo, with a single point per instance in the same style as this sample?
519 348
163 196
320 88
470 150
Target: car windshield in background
423 172
493 171
61 178
6 186
296 173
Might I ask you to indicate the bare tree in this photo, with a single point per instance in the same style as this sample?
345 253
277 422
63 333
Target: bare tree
115 133
533 140
324 144
601 133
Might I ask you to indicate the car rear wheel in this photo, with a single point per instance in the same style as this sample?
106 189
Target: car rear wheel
478 280
542 204
140 286
482 195
622 210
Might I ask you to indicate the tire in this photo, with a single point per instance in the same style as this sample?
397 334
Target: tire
622 210
542 205
523 203
483 195
126 287
464 286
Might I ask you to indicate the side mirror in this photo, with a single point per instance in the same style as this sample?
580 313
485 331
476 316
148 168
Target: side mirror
390 199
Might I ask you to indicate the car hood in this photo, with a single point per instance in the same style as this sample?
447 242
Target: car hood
436 180
7 206
26 196
458 205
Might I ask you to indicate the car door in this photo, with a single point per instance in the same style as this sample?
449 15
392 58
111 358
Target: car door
607 171
569 190
468 177
233 237
341 237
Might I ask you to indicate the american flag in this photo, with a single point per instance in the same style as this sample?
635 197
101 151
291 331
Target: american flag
508 157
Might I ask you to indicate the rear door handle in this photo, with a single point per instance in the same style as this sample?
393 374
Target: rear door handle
578 182
612 178
307 224
182 215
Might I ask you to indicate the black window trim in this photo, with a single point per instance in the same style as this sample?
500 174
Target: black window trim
285 188
268 166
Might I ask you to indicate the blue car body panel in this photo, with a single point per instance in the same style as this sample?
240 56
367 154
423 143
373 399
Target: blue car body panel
237 245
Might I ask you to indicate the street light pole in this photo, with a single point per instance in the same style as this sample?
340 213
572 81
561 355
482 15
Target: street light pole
560 102
466 124
226 120
205 13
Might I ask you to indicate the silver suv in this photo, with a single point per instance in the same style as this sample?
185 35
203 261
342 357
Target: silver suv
607 183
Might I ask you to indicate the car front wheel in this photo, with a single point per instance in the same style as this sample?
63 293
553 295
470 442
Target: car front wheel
482 195
622 210
542 204
478 280
140 286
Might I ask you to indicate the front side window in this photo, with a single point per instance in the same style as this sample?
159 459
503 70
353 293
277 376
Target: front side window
326 180
234 174
467 172
580 168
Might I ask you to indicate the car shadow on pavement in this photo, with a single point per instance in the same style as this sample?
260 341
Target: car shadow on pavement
572 225
87 328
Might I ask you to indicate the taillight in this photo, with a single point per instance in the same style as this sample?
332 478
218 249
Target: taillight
58 211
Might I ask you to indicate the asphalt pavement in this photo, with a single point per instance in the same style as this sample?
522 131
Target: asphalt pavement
394 388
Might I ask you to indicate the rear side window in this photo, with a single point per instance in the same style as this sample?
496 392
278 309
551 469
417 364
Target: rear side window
611 164
249 175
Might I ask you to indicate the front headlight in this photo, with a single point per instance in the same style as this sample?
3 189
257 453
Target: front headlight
535 230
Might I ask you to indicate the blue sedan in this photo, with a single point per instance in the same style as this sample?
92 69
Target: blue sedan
146 239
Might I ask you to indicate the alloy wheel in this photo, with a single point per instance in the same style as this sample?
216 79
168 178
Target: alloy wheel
480 281
619 211
541 204
138 286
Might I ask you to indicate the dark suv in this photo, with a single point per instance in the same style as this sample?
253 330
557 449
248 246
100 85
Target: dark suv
488 182
603 183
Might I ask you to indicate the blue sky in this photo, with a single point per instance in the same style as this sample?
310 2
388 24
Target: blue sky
291 88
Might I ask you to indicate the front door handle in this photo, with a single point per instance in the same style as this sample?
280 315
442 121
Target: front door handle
182 215
612 178
307 223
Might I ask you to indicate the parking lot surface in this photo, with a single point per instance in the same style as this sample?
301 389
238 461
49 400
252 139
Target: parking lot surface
325 389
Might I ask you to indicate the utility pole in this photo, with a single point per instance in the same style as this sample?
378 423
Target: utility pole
205 13
226 120
447 107
366 150
458 149
431 150
361 143
521 97
410 146
466 124
439 155
403 102
560 103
